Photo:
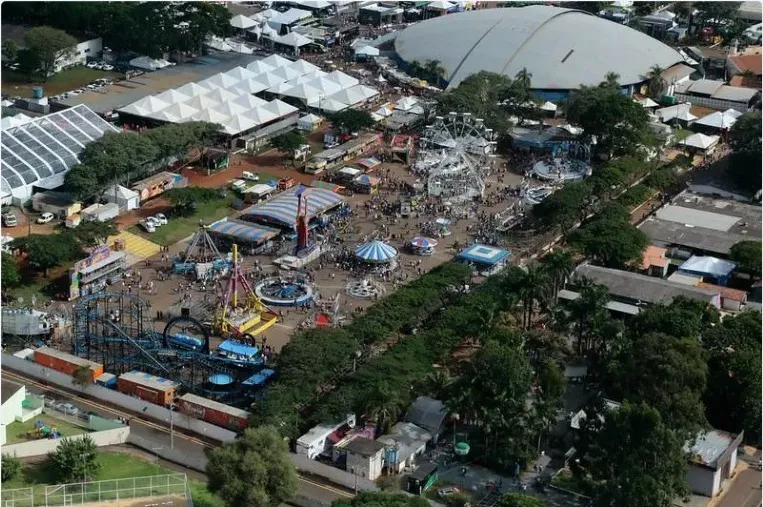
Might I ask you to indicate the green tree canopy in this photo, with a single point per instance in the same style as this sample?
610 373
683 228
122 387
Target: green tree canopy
372 499
565 207
618 123
75 459
252 471
47 44
682 318
11 274
94 233
610 240
11 466
665 372
288 143
747 254
352 120
733 389
636 459
745 140
10 49
46 251
517 499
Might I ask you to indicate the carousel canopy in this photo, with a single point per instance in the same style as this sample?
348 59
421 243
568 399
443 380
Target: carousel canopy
420 242
376 251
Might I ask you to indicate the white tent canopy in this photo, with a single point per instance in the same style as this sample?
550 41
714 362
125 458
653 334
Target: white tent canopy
294 39
242 22
440 5
701 141
647 102
677 112
406 103
332 106
367 50
717 120
147 63
548 106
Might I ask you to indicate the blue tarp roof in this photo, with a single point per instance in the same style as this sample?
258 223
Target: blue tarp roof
483 254
260 378
247 232
239 348
282 209
708 265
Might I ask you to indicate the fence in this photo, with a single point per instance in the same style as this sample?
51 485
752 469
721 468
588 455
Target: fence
41 447
22 497
711 103
169 490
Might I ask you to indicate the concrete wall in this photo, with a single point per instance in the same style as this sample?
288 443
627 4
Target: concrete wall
40 447
703 481
78 56
11 409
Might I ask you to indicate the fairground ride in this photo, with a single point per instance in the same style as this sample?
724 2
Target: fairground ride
242 315
116 330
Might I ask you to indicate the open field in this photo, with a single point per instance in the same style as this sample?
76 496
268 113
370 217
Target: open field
17 85
182 227
16 431
114 465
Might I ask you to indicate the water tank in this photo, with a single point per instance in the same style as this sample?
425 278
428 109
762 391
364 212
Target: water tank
37 92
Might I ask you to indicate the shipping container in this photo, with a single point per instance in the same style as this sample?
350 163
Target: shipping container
157 390
65 363
214 412
107 380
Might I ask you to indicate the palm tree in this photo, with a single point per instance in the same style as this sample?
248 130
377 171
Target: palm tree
589 314
558 265
533 289
684 10
611 79
657 83
435 69
384 406
437 384
415 68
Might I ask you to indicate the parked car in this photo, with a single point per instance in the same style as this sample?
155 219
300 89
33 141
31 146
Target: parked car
91 65
286 183
86 415
147 226
46 217
67 408
159 217
106 66
50 402
154 221
250 176
9 220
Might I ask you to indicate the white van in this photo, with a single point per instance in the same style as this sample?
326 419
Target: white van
238 185
250 176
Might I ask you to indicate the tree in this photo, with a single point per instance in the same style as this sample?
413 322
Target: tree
352 120
373 499
75 459
384 406
643 8
656 84
95 233
565 207
636 459
715 13
9 466
435 69
682 318
415 68
185 200
49 44
11 275
745 140
478 94
665 372
252 471
558 266
533 289
83 376
747 254
288 143
610 240
517 499
733 389
591 321
48 251
619 123
10 49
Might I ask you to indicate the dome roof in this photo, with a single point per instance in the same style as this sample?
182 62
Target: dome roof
561 48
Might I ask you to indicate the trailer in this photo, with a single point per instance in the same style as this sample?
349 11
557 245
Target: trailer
214 412
100 212
66 363
147 387
315 442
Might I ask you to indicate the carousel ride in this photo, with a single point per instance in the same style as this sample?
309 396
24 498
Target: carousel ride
201 258
376 252
242 315
422 246
455 153
280 291
569 161
365 289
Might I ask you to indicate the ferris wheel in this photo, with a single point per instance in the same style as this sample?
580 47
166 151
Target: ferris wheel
463 135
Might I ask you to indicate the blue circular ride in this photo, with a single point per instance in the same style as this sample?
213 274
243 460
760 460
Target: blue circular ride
284 292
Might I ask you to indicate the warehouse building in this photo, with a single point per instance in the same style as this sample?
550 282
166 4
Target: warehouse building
37 154
562 48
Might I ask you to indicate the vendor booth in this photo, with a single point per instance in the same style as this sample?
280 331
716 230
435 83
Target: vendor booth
366 184
486 260
369 163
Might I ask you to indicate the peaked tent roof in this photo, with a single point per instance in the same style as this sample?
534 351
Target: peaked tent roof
192 89
376 252
146 106
239 123
406 103
231 109
294 39
221 95
241 73
276 61
286 73
332 105
342 78
220 80
261 115
242 21
260 66
303 67
709 265
701 141
279 108
249 101
211 116
269 79
304 92
440 5
173 96
182 110
721 120
250 86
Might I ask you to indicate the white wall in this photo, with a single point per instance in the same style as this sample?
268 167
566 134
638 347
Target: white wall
362 466
81 51
703 481
40 447
11 409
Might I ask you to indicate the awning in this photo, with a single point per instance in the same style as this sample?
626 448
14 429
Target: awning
369 163
326 186
246 232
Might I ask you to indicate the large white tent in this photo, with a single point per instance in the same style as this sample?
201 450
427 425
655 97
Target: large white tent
242 22
719 120
294 39
228 99
701 141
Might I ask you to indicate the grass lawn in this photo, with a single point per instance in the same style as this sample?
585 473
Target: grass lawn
565 479
17 85
114 465
42 288
179 228
681 134
16 431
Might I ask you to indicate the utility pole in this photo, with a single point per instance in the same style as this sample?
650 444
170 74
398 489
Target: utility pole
172 426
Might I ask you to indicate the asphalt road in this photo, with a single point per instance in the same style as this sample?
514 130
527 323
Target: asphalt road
745 490
154 437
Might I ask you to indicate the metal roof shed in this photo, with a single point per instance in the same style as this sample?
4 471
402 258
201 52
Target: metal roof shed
427 413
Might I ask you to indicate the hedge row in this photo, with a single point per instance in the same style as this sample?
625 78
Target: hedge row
316 358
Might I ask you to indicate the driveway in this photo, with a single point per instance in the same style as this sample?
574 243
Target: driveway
744 490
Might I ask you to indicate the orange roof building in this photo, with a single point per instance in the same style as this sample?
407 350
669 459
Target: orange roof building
654 261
